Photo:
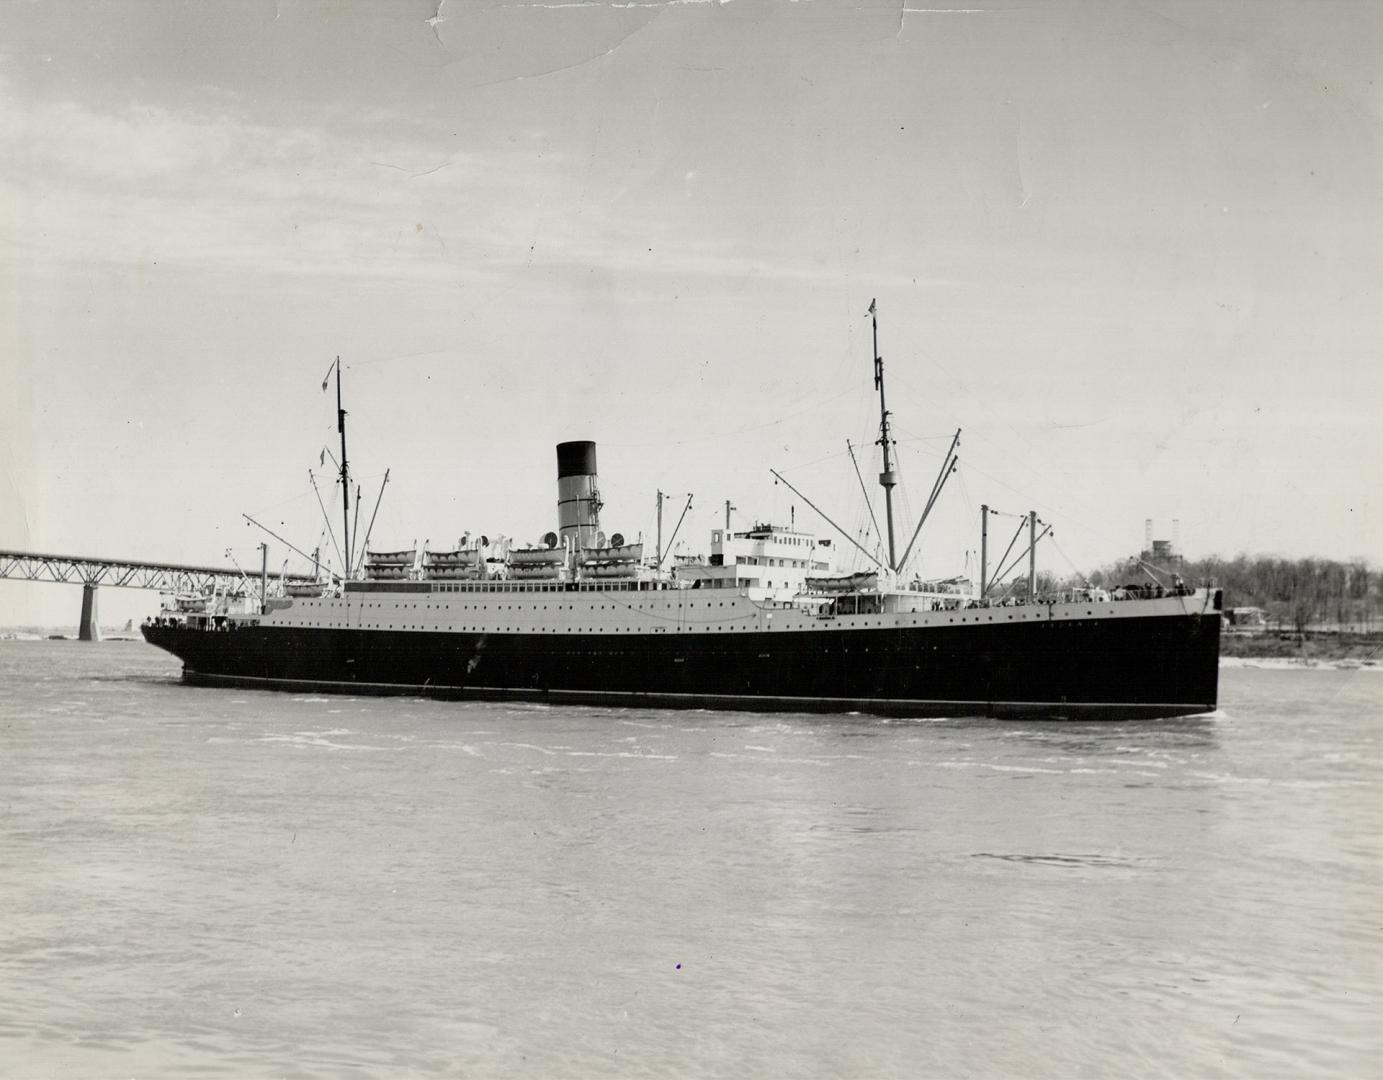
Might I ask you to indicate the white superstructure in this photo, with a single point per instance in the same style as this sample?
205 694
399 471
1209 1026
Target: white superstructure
767 562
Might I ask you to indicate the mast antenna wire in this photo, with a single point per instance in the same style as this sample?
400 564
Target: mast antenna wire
1074 568
365 547
315 564
829 522
948 466
345 572
863 490
673 538
236 563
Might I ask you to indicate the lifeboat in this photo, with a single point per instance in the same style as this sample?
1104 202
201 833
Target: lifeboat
389 565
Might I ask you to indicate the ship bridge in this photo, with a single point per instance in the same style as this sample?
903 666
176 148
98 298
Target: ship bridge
769 561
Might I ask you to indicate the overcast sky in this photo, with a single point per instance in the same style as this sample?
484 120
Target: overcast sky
1134 251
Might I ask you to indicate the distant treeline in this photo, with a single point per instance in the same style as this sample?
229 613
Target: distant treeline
1295 594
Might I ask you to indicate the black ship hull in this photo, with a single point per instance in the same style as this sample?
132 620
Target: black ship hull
1097 668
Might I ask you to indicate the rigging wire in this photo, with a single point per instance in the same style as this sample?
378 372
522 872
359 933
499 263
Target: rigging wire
817 461
948 466
965 494
345 570
1073 511
736 431
393 359
863 490
984 586
1074 569
986 407
1025 551
1069 510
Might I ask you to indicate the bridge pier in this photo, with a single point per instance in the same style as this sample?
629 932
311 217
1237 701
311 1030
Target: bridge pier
89 630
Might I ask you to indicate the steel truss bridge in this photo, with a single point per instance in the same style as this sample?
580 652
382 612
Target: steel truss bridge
90 573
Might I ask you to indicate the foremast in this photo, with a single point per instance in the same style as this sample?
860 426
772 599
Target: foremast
345 478
888 479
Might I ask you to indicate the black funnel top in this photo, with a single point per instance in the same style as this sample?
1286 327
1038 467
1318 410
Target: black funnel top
575 459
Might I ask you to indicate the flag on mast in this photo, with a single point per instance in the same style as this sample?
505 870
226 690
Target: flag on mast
329 371
871 307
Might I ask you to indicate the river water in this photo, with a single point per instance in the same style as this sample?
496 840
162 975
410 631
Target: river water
228 883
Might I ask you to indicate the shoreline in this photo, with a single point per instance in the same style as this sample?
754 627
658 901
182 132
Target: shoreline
1296 663
1310 649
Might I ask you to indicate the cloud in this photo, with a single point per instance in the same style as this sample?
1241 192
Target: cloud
346 197
218 191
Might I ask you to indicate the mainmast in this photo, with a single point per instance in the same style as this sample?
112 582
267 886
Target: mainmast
887 478
345 476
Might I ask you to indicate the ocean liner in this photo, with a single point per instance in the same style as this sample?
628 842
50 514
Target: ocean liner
765 622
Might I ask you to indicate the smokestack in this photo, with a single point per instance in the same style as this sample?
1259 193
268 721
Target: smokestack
578 499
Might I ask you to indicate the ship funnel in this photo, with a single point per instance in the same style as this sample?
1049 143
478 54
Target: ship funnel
578 499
